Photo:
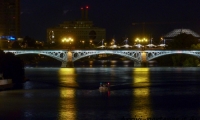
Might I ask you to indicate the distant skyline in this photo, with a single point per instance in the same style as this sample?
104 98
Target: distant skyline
116 17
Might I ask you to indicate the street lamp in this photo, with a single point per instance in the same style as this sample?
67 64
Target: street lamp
144 40
137 40
141 41
102 42
105 44
68 40
90 44
151 40
83 42
90 41
163 40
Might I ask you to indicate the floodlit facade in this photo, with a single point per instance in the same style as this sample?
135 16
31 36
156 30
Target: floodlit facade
81 31
9 19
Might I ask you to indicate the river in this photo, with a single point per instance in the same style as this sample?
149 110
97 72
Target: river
149 93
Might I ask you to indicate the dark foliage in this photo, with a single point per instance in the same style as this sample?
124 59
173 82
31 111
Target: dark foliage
180 42
12 67
29 41
178 60
16 45
183 42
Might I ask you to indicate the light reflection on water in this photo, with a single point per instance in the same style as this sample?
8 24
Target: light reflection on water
67 76
141 96
67 104
72 93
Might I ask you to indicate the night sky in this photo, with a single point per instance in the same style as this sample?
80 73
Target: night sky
116 16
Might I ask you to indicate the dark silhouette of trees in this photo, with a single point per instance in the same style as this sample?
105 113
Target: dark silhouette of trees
178 60
183 41
195 47
12 67
29 41
16 45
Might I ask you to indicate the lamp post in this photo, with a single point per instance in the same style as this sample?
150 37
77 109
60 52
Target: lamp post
137 41
105 44
126 41
83 42
91 44
68 41
102 42
163 45
141 41
163 40
151 40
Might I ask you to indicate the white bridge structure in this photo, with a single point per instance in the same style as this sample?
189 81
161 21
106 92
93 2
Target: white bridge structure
67 57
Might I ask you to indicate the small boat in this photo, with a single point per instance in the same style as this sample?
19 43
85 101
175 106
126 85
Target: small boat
5 83
104 87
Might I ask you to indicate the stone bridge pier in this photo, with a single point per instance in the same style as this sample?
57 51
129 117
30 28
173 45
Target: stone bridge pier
143 59
69 63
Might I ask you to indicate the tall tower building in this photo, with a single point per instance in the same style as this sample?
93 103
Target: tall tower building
9 19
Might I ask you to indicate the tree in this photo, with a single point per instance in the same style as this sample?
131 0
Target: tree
178 60
183 41
191 62
16 45
195 47
29 41
12 67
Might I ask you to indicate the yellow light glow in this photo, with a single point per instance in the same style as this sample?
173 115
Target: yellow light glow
137 39
141 40
67 106
141 104
66 76
69 39
67 95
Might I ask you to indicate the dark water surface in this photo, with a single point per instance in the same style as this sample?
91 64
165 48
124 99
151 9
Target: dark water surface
154 93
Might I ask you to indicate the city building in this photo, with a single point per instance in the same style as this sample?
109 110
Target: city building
9 19
81 31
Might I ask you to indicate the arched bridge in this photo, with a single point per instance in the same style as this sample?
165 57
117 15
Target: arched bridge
138 56
134 55
151 54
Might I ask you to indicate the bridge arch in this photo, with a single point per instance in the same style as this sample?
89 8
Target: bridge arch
130 54
155 54
60 55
